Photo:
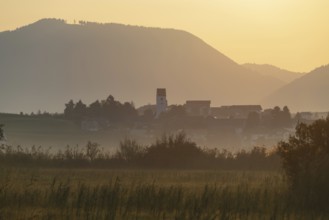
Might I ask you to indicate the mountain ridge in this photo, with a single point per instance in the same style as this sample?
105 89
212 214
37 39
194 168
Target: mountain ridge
270 70
47 63
307 93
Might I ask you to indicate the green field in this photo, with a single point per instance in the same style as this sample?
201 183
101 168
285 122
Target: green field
146 194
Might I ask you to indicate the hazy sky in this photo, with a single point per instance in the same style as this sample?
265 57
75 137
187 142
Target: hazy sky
291 34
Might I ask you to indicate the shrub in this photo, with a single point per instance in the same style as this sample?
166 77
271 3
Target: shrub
92 150
130 150
175 151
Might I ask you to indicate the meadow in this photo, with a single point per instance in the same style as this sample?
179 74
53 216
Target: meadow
43 193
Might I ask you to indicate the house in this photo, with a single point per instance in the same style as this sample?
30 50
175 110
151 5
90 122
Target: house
235 111
198 107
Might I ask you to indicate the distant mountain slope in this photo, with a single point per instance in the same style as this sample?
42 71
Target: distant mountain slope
45 64
308 93
269 70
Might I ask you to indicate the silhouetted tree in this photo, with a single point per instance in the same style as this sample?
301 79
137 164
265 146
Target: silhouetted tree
148 115
95 109
128 111
279 118
2 135
276 117
286 117
69 109
111 109
80 110
305 159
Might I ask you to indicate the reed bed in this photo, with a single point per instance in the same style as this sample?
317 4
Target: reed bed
147 194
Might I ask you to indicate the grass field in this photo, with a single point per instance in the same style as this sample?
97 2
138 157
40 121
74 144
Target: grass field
146 194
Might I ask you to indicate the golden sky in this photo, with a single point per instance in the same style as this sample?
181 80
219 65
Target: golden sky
291 34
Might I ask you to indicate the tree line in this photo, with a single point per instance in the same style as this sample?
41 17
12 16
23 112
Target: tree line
112 111
109 109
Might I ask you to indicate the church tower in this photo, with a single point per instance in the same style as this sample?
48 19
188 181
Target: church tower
161 101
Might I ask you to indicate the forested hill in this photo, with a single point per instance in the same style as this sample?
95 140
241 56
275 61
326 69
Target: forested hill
47 63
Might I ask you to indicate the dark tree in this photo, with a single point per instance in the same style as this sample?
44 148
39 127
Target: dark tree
128 111
279 118
80 110
305 159
148 115
111 109
2 135
286 117
69 109
276 117
95 109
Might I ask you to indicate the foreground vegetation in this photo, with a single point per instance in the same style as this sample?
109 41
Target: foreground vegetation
305 158
168 152
171 179
132 194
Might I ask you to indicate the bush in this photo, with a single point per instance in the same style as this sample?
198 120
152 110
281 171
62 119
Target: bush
175 151
130 150
305 159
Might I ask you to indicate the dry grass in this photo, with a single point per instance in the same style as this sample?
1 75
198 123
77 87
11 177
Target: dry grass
140 194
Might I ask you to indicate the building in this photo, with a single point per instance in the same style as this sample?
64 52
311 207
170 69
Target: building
235 111
161 101
198 107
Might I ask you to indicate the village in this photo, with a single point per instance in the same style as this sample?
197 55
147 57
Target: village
233 126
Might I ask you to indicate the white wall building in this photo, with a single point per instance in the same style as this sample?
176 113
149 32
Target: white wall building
161 101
